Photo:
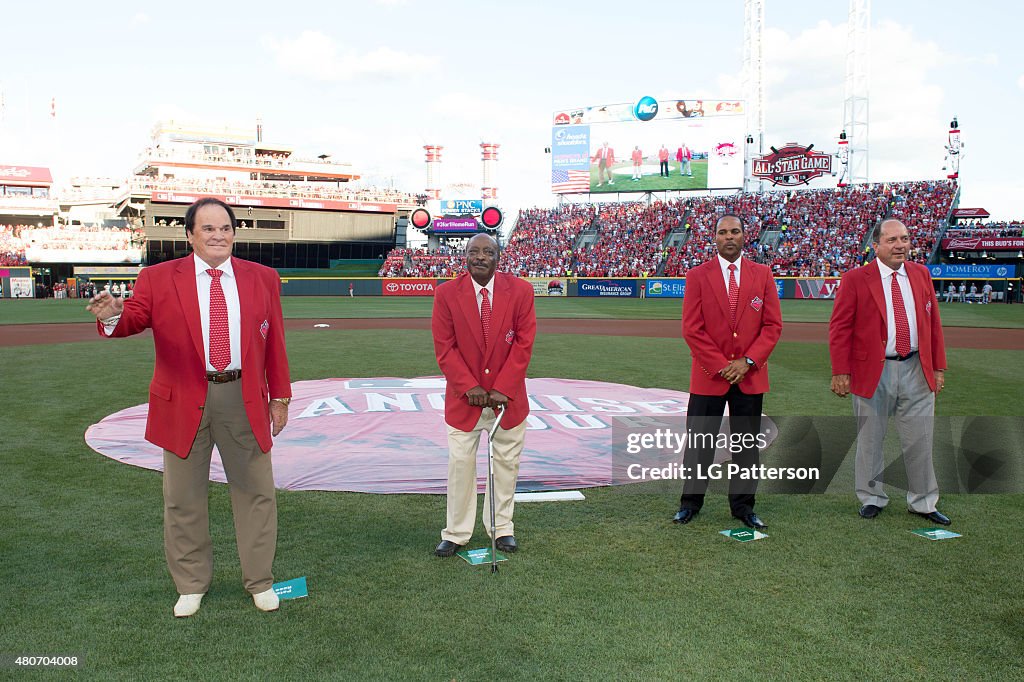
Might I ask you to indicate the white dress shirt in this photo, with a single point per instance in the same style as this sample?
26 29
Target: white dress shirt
479 296
724 264
903 281
230 287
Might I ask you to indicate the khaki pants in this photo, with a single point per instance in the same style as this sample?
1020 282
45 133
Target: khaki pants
187 542
462 487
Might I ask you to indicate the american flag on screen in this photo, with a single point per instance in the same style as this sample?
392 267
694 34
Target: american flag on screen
570 181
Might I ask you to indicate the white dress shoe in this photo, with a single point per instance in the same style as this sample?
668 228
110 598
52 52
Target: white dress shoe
187 605
267 601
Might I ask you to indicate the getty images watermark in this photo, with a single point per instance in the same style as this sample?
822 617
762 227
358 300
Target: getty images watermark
797 454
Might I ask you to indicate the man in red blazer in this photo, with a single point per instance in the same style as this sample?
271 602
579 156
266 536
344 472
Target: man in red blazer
885 340
220 378
731 322
484 326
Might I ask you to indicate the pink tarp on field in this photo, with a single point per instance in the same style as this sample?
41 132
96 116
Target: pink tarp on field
387 435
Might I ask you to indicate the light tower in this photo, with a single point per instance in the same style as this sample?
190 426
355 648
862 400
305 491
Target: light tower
753 83
855 106
489 156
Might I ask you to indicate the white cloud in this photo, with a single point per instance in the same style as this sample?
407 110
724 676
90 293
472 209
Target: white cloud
140 18
1020 82
315 55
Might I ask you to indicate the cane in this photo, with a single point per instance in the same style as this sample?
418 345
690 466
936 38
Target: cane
490 482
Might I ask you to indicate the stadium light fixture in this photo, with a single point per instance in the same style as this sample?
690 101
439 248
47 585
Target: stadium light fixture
491 217
420 218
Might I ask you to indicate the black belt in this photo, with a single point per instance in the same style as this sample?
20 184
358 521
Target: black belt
901 358
224 377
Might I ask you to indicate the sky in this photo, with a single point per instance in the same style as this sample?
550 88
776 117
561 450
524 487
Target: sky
371 82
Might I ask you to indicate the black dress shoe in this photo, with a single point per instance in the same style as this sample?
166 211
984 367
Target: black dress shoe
684 516
447 548
751 520
869 511
507 543
935 517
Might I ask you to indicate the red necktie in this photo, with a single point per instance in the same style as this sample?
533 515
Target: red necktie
485 316
220 338
899 313
734 292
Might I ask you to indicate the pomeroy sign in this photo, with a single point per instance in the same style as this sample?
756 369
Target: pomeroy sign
792 165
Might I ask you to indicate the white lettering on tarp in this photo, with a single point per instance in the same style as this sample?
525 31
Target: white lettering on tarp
381 402
534 405
579 421
436 400
606 405
655 406
323 406
563 403
534 423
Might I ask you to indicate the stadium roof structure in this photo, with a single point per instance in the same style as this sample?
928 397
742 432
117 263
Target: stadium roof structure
25 176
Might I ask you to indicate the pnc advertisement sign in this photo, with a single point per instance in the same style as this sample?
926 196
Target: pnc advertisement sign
792 165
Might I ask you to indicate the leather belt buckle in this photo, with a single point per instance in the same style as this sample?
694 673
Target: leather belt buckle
224 377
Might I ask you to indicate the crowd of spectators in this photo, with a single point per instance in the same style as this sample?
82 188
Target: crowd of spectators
446 260
807 233
992 229
16 239
542 244
12 248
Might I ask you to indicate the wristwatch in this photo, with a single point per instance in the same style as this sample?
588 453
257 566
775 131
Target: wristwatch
283 401
750 363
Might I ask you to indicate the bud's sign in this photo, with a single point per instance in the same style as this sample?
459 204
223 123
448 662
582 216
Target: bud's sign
792 165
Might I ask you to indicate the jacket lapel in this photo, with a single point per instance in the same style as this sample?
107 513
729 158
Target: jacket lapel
718 286
246 304
746 287
467 301
875 287
188 297
500 311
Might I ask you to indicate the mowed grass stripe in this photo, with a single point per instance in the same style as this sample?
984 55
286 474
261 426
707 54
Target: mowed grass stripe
603 589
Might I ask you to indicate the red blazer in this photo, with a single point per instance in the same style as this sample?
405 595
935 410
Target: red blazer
858 331
708 330
459 346
165 300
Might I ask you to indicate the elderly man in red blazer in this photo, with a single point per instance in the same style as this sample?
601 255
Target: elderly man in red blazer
731 322
220 378
484 326
885 340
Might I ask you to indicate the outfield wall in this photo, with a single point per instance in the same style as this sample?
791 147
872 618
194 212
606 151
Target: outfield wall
587 287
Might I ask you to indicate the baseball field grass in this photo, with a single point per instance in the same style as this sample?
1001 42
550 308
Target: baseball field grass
606 588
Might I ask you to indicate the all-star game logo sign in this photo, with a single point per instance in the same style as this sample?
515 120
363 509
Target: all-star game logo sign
792 165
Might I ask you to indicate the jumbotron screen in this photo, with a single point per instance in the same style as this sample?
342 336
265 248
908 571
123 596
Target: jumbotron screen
648 146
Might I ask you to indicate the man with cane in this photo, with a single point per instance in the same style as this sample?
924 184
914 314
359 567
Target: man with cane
484 327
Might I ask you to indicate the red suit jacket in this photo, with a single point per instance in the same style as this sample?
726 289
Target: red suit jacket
165 300
858 330
609 159
459 346
708 330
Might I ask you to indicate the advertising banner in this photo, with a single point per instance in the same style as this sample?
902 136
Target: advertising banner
817 288
666 288
615 288
972 271
274 202
21 287
454 225
792 165
983 243
462 206
547 286
570 159
408 287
